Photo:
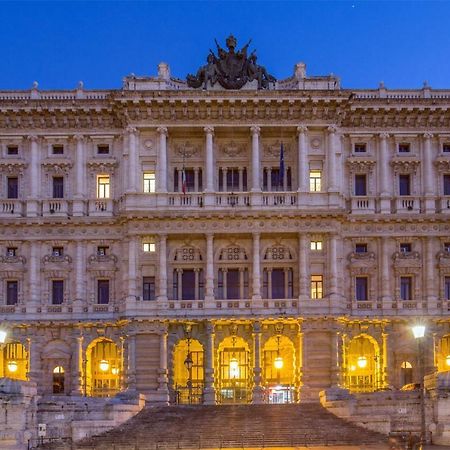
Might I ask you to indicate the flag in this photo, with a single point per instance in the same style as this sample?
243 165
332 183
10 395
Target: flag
281 168
183 181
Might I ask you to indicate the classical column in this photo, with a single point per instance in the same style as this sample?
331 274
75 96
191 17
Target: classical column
385 275
77 364
162 159
384 174
131 367
430 275
331 159
34 172
256 185
209 159
80 273
335 358
35 367
303 267
332 265
209 394
162 267
258 390
429 185
303 166
132 268
209 294
133 157
256 267
80 171
163 380
34 291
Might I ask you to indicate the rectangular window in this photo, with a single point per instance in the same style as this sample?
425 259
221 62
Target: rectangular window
447 247
103 149
446 148
361 290
57 251
12 292
405 247
360 148
233 284
315 180
13 187
102 250
360 184
149 182
278 283
404 184
316 286
404 148
58 187
361 248
447 184
149 247
58 149
12 150
148 288
11 251
103 186
405 288
447 288
316 245
57 292
103 292
188 284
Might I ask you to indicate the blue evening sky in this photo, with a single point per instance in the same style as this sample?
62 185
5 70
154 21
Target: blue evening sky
59 43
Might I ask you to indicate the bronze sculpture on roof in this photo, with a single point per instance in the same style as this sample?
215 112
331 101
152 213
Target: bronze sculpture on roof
231 69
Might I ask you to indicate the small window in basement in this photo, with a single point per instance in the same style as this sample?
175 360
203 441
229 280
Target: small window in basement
103 149
58 149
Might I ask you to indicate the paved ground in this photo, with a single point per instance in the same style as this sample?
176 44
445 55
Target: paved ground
365 447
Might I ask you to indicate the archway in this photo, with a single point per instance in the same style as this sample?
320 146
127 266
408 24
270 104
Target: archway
279 369
188 371
14 361
234 371
58 380
103 368
443 357
362 364
406 373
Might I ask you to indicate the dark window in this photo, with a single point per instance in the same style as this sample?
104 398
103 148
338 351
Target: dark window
278 283
404 184
404 148
188 284
447 184
361 248
58 149
406 288
57 251
13 187
103 149
233 284
361 288
102 251
189 176
360 185
232 179
148 288
58 187
447 247
103 292
446 148
360 148
447 288
405 247
12 292
57 292
277 182
11 251
12 150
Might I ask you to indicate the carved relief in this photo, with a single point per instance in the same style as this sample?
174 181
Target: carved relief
405 165
187 149
232 149
272 150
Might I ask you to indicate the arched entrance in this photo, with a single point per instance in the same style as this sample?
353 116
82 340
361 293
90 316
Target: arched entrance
443 357
103 368
234 371
58 380
278 369
362 364
188 371
14 361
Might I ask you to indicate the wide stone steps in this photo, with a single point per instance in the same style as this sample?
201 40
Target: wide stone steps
227 426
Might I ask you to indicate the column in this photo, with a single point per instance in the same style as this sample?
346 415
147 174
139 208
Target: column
385 276
303 265
131 369
162 267
133 157
428 180
258 390
132 268
256 268
77 364
224 179
209 159
332 266
209 394
331 159
241 179
163 388
80 185
388 360
34 291
162 159
196 179
80 272
335 359
303 166
269 179
256 185
269 282
34 171
430 275
209 288
35 367
383 175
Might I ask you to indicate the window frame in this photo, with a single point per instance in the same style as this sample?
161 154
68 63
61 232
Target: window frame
316 284
12 191
407 283
315 182
364 289
103 283
58 286
149 183
103 187
15 291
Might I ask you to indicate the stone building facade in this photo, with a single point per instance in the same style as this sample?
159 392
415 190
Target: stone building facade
216 246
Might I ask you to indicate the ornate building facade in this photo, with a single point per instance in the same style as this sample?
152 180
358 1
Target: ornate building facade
216 245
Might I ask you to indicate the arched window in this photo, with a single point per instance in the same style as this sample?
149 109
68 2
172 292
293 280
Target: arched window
58 380
406 373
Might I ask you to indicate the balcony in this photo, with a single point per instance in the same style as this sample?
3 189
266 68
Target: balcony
11 208
407 204
445 204
362 205
55 208
101 207
233 199
279 199
190 199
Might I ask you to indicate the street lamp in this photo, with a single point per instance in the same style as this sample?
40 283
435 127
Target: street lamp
188 363
419 333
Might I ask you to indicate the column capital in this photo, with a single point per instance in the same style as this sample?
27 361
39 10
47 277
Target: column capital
130 129
162 131
162 236
79 137
427 136
302 129
257 327
209 326
33 138
256 234
332 129
383 136
254 129
209 235
209 129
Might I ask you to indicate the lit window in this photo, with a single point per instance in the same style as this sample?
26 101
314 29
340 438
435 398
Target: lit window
315 180
404 148
316 245
360 148
103 186
12 150
316 286
103 149
58 149
406 288
149 182
361 288
149 247
361 248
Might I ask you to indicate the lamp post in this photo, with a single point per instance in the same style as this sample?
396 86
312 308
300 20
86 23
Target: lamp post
419 333
188 362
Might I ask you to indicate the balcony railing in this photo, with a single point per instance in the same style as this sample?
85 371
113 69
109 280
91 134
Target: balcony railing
101 207
445 204
11 208
407 205
279 199
363 205
57 208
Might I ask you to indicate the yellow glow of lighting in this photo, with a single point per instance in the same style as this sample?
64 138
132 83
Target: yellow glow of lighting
352 368
447 360
278 362
2 336
58 369
104 365
115 371
12 366
234 368
362 362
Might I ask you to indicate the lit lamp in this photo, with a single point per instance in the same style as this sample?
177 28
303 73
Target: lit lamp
115 371
362 362
418 331
188 363
234 367
278 362
104 365
12 366
447 360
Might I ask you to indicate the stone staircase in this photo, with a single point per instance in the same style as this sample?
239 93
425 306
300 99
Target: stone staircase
227 426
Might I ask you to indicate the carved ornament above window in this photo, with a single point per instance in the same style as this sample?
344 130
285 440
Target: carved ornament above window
13 167
272 150
188 255
13 259
60 259
442 164
102 259
187 149
405 165
367 257
232 149
360 165
278 253
232 254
